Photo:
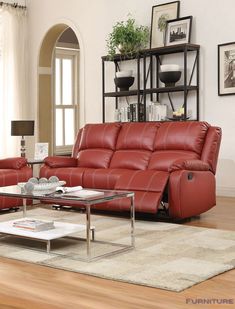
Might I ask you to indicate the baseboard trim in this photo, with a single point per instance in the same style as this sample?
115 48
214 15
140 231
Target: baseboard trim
225 191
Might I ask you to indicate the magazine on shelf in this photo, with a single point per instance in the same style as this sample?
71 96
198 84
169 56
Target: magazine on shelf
34 225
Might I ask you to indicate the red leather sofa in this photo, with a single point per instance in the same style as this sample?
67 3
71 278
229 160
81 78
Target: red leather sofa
174 162
12 171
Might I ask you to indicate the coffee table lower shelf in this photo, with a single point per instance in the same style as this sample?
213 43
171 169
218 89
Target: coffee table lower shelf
61 230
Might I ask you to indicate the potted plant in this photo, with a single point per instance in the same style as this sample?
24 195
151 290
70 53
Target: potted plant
126 38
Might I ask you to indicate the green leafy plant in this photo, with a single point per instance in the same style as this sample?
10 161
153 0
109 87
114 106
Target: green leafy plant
127 38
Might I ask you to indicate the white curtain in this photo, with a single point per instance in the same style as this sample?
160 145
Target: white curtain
13 76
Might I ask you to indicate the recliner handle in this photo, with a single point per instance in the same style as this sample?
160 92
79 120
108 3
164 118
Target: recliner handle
190 176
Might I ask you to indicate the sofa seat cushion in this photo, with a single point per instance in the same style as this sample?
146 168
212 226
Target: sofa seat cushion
102 135
186 135
137 135
130 159
148 187
163 160
149 180
94 158
102 178
72 175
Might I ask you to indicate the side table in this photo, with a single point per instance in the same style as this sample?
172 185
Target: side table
32 162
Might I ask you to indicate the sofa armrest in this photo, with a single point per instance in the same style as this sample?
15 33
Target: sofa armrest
190 165
15 163
60 162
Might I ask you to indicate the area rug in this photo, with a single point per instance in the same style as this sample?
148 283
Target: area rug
167 256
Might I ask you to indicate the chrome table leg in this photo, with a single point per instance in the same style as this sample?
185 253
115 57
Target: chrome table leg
132 210
88 229
24 207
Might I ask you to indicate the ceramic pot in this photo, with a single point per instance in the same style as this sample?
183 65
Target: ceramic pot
169 78
124 83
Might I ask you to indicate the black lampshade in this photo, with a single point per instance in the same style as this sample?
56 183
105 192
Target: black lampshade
22 127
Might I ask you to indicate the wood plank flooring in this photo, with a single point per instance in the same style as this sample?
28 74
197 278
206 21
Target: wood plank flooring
28 286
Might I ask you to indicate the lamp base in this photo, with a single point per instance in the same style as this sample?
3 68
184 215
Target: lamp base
22 148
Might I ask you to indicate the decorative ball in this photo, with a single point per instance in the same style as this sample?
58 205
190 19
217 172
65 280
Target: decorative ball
53 179
29 187
43 180
33 180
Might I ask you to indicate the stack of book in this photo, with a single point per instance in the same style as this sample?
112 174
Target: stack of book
34 225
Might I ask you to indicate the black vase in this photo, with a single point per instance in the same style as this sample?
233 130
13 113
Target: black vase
124 83
169 78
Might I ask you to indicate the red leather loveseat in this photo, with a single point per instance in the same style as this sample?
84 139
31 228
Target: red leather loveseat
170 161
12 171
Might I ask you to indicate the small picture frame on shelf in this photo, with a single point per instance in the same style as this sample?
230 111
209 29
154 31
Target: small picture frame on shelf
178 31
160 14
226 69
41 151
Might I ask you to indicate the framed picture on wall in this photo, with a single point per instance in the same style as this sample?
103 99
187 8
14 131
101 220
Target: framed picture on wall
226 68
41 151
178 31
160 14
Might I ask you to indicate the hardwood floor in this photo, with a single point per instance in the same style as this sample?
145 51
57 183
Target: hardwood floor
29 286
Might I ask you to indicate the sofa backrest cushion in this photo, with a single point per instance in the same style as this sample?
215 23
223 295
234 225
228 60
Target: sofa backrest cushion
94 158
102 135
130 159
137 135
189 136
162 160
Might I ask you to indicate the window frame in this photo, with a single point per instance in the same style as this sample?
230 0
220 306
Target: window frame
66 53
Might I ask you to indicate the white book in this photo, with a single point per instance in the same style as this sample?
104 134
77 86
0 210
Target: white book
35 225
68 189
84 193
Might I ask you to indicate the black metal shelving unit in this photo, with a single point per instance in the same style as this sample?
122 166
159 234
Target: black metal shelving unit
151 75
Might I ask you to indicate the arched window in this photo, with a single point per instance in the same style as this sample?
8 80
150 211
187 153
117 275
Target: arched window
66 92
60 99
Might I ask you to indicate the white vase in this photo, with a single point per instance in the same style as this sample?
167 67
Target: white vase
169 67
126 73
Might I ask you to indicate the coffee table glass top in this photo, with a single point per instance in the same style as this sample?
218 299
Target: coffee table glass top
16 191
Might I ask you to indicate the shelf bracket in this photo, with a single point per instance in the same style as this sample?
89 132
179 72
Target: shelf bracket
172 106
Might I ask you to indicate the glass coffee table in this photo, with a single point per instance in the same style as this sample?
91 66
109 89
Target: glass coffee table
88 203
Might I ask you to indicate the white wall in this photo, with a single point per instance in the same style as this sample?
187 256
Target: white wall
213 23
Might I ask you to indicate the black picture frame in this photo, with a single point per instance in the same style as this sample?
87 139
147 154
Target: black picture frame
178 31
166 11
226 69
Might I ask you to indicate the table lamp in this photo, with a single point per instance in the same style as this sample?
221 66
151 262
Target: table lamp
22 128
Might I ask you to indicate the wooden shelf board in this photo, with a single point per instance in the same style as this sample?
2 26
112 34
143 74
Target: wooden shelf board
170 89
123 93
155 51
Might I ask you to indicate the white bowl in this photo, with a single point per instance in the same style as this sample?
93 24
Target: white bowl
124 73
169 67
44 186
